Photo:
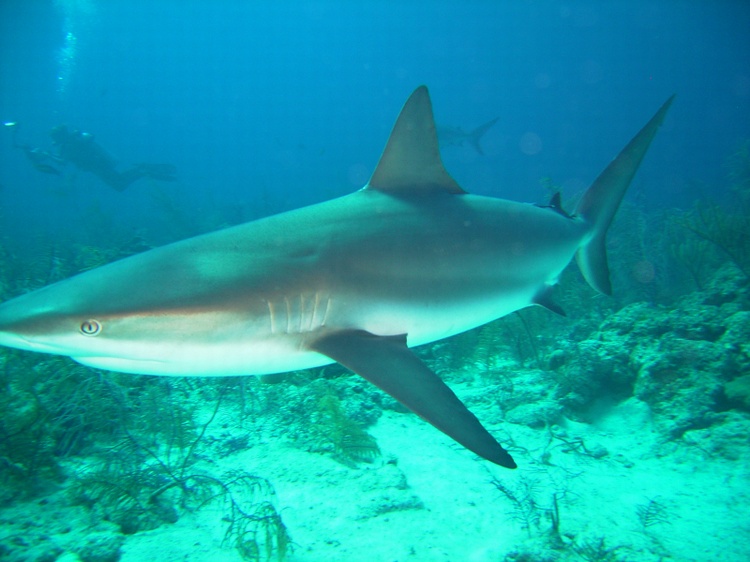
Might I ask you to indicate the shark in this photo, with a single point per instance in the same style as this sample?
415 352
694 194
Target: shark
410 258
456 136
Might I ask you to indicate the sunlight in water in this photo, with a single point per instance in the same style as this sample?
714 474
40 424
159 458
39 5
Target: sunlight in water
77 16
66 62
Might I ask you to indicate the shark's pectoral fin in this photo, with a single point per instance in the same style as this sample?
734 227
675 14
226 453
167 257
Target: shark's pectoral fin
386 362
478 133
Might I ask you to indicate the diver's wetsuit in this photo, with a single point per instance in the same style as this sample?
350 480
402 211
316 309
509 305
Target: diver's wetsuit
85 153
41 160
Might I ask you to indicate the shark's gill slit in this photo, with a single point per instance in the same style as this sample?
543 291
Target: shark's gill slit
272 316
327 312
301 313
288 315
316 302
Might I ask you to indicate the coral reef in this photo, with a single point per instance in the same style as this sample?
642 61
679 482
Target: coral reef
130 455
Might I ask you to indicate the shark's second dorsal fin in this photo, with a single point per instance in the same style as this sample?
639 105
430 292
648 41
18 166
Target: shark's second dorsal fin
411 160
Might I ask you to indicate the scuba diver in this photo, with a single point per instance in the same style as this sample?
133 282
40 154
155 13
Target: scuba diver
41 160
81 150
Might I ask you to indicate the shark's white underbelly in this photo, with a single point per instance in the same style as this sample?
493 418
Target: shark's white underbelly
281 344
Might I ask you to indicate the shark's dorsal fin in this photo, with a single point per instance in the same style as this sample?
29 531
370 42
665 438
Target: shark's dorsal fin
410 163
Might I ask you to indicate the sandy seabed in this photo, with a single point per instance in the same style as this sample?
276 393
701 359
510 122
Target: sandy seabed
429 500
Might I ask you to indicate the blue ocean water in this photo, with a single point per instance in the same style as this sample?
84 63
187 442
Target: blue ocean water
292 104
263 107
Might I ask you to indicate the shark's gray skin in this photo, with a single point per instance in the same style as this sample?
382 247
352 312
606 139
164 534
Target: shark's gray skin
456 136
409 259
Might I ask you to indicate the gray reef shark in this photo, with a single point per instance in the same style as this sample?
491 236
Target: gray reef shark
409 259
456 136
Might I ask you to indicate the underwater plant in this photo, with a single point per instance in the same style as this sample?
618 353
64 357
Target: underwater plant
652 513
489 345
528 511
52 409
547 542
691 253
724 228
30 269
256 530
27 448
154 472
559 441
517 332
597 551
350 441
323 411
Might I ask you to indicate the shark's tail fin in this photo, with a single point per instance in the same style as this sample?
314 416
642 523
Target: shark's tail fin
601 201
478 133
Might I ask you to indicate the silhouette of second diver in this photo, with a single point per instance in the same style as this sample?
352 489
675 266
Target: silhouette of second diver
81 150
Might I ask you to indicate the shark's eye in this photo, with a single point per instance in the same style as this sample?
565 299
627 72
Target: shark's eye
90 327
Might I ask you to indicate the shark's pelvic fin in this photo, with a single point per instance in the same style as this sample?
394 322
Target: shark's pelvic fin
411 160
544 298
386 362
600 202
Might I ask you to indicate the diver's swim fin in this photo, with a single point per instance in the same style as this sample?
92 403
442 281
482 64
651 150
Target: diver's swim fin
47 169
161 172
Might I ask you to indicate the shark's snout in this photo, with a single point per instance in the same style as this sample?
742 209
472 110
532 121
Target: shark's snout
29 322
13 317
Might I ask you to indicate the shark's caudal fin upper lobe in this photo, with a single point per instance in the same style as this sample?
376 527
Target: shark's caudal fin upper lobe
601 201
476 135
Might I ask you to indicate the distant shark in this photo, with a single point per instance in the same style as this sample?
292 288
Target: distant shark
409 259
456 136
